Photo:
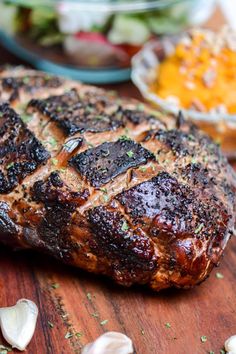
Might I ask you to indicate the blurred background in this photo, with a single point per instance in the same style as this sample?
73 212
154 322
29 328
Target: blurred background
94 41
110 42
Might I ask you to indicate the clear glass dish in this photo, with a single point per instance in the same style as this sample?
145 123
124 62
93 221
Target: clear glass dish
221 127
93 41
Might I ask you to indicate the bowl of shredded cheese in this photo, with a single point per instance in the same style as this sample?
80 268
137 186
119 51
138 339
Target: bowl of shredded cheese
194 73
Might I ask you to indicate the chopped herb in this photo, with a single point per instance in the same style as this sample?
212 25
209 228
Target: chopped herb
95 314
105 198
211 352
26 118
199 228
90 145
55 285
48 77
124 138
153 168
193 161
168 325
219 275
89 296
140 107
143 169
54 161
79 334
10 165
142 332
62 170
203 339
124 226
59 109
103 323
101 117
51 325
68 335
222 351
89 109
52 141
130 153
104 190
191 137
112 93
103 170
155 113
25 80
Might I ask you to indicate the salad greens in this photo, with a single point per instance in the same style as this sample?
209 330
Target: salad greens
129 29
44 22
44 26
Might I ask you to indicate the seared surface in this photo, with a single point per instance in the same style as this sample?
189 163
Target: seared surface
109 186
20 152
103 163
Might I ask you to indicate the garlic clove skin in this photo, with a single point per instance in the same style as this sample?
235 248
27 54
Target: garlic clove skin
230 345
110 343
18 323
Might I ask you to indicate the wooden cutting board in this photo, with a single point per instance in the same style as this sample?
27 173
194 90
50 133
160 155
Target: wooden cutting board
72 301
90 305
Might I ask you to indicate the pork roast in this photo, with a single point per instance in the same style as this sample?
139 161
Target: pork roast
108 185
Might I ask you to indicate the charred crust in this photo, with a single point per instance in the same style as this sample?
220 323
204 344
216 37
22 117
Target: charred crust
74 114
20 152
29 84
52 105
198 175
162 204
180 143
59 205
130 252
103 163
7 227
54 190
137 117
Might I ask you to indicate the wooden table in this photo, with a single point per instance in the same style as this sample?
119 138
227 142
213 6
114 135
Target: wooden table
82 301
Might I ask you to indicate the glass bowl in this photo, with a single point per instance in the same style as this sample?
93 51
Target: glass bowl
92 41
221 127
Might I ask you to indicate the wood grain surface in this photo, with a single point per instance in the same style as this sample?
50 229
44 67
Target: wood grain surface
85 306
83 301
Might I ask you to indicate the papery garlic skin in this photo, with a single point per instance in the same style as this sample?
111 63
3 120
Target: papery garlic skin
110 343
230 345
18 323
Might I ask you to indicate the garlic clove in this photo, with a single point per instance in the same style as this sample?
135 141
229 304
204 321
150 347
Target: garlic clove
110 343
18 323
230 345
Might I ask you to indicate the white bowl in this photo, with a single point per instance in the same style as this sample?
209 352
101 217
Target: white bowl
144 72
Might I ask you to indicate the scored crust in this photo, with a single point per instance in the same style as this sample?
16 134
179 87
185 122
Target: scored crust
109 185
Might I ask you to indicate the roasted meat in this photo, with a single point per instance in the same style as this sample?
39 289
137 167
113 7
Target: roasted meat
108 185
